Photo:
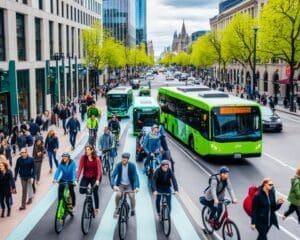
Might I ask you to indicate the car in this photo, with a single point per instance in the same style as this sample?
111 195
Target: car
183 77
177 74
270 120
135 83
145 87
197 81
191 79
169 77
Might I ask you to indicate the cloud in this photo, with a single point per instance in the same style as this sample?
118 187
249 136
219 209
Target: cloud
191 3
163 20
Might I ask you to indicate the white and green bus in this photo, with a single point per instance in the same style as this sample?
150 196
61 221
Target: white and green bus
118 101
212 123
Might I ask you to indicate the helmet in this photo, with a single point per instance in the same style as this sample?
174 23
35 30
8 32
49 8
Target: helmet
224 169
154 126
126 155
66 155
165 162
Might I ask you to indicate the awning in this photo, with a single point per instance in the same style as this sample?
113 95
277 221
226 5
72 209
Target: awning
286 81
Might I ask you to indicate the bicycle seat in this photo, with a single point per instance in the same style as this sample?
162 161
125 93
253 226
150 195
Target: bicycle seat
226 202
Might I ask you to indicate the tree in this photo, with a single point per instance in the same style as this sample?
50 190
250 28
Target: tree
166 59
181 59
280 35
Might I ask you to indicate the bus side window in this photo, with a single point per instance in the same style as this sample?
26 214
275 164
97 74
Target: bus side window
203 123
171 105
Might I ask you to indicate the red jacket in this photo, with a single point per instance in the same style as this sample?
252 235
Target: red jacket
91 169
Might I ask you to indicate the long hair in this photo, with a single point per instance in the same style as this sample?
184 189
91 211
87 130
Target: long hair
94 154
4 162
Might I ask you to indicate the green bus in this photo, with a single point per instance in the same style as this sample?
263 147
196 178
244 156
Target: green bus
212 123
118 101
146 112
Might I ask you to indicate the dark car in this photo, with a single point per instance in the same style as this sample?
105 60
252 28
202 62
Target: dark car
270 119
135 83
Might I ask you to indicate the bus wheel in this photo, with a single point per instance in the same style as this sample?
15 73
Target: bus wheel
191 143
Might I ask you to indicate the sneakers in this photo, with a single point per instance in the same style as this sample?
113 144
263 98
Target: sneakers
97 211
29 201
132 213
22 208
116 213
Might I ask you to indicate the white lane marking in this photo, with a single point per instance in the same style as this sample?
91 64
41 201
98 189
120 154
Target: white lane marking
208 174
288 218
279 161
290 118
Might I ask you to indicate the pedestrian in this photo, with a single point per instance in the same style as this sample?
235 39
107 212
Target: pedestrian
51 145
7 187
38 156
46 120
5 149
83 109
263 209
33 128
39 120
73 126
21 140
56 111
25 167
294 197
63 115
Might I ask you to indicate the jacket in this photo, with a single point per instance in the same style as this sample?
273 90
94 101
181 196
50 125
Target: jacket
151 143
22 140
51 143
162 181
66 173
261 214
38 152
33 128
7 182
93 111
294 194
25 167
215 192
73 125
114 125
132 174
92 124
105 141
90 169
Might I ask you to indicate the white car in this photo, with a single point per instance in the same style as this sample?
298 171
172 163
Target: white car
169 77
191 79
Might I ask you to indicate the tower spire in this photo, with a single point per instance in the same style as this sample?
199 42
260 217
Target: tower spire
183 30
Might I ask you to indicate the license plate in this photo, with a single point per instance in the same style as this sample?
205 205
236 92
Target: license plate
237 155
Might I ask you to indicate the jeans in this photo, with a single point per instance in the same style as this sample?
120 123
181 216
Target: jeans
26 188
149 158
262 232
214 209
64 125
38 168
159 198
84 183
131 196
5 199
52 154
73 138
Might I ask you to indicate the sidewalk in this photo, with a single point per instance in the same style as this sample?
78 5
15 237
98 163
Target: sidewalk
7 224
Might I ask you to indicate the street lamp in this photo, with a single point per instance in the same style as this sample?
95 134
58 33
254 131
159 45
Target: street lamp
255 29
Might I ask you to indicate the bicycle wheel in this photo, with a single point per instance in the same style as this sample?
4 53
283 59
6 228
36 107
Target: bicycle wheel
230 231
104 161
86 217
59 217
123 222
166 221
205 219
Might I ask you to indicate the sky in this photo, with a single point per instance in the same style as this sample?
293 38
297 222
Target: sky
164 17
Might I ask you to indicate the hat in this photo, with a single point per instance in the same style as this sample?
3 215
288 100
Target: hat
154 126
126 155
165 162
224 169
66 155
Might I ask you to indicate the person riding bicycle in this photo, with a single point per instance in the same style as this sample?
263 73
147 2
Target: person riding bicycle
93 110
151 145
215 193
105 140
125 178
66 173
114 126
162 178
91 166
92 125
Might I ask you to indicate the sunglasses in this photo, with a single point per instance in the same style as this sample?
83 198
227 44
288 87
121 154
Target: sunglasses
163 165
23 152
270 184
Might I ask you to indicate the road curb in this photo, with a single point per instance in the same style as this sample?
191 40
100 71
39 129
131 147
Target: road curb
287 112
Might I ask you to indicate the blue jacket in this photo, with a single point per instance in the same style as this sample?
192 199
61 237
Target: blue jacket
51 143
151 143
25 167
132 174
66 173
73 125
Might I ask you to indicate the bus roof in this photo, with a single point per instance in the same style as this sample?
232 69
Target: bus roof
210 98
119 90
145 102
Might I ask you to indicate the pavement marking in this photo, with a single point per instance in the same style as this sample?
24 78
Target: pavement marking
280 162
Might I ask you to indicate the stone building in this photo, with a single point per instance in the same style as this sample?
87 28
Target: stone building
181 41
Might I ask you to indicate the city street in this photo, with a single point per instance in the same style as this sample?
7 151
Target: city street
279 161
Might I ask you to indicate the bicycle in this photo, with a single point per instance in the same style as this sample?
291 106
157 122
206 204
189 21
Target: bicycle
154 163
92 136
64 208
107 164
165 217
229 228
123 215
88 211
116 134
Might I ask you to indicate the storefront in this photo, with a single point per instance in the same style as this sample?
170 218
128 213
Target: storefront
5 113
23 95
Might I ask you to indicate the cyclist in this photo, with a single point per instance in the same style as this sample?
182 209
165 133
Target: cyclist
105 140
162 178
92 173
151 145
66 172
114 126
93 110
92 125
124 178
215 193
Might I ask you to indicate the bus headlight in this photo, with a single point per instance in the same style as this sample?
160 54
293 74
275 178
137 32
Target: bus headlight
214 147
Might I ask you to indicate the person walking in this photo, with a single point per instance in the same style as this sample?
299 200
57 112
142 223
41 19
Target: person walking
91 166
25 167
46 120
33 128
73 126
294 197
264 205
7 186
63 115
13 138
124 178
38 156
51 145
82 109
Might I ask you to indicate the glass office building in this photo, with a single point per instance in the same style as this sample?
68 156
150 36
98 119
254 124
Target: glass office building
119 19
141 21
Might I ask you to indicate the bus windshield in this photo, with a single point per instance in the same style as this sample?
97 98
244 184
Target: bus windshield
236 124
117 101
144 118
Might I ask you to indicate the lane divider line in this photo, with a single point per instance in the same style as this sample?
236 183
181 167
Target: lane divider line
279 161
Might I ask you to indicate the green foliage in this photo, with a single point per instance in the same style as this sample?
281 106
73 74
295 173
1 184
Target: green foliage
181 59
166 59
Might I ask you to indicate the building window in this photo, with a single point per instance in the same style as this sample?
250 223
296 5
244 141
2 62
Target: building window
21 41
62 9
67 9
41 4
68 41
51 6
40 85
2 36
57 7
266 79
38 39
79 44
75 14
71 12
23 95
73 39
51 39
60 37
24 1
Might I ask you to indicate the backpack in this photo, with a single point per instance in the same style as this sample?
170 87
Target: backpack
218 181
248 201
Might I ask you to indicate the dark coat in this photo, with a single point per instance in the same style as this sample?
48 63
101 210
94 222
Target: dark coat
73 125
162 181
260 212
51 143
25 167
132 175
7 182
